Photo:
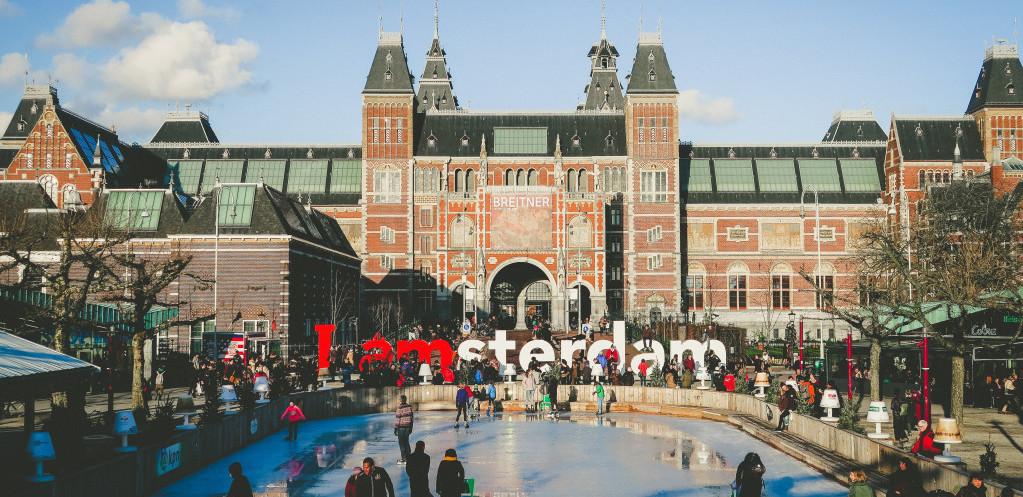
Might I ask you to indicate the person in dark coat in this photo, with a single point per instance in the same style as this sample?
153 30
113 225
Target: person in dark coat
450 475
749 476
786 401
374 481
417 467
552 391
905 481
975 488
239 484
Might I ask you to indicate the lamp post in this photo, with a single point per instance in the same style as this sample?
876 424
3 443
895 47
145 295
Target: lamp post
849 361
817 235
926 378
791 326
801 365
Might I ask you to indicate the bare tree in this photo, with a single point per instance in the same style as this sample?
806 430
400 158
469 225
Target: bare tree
344 299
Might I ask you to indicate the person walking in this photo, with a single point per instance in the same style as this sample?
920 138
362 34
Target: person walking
403 420
924 445
1010 394
462 404
417 467
529 384
975 488
374 481
858 486
749 476
350 484
905 481
294 415
786 401
599 392
450 475
239 483
642 373
552 391
158 385
491 396
900 410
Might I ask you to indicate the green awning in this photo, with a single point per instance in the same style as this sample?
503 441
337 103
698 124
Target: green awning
102 314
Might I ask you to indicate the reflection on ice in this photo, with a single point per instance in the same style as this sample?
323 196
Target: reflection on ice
519 455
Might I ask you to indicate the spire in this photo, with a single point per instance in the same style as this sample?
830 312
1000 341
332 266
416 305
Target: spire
996 84
435 90
389 72
651 72
604 91
603 20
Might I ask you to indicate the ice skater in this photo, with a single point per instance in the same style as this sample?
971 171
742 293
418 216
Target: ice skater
462 404
294 415
491 396
749 476
599 392
374 481
239 483
403 420
450 475
529 384
417 468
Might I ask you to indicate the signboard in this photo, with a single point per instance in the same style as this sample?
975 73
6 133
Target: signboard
168 459
521 221
223 345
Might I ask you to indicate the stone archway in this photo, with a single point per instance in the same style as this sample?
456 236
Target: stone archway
514 295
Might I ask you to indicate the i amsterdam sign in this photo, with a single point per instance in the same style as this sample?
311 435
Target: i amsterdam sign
542 351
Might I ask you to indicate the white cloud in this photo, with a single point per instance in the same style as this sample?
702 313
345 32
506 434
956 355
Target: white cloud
71 70
8 9
695 106
5 119
179 61
12 69
195 9
100 23
133 120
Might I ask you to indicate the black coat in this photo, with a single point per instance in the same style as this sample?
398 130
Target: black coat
374 484
905 483
450 478
417 467
971 491
750 479
240 487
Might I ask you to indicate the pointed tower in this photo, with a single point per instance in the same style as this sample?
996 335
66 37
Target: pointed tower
435 90
387 102
997 103
651 105
604 91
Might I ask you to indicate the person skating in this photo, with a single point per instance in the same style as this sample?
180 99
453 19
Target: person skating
450 475
417 467
599 392
552 392
491 396
975 488
403 427
239 483
374 481
462 404
905 481
749 476
924 445
529 384
294 415
350 484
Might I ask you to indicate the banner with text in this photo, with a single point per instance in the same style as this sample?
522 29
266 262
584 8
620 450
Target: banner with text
521 221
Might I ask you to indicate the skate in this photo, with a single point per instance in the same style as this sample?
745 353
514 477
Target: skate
400 462
456 425
466 424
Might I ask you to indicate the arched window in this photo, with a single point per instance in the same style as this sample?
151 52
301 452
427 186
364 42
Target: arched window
930 176
696 285
459 185
923 178
49 184
825 278
583 181
434 179
781 286
470 180
946 177
619 183
68 194
420 186
462 232
572 180
531 177
520 177
608 179
509 177
738 285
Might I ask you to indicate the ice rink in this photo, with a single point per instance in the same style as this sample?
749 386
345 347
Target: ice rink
516 456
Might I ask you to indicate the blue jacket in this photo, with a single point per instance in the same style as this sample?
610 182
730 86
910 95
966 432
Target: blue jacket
462 395
492 392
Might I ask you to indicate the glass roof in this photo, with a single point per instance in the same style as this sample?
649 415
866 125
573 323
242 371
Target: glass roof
228 171
271 171
821 174
699 176
734 175
307 176
777 175
346 176
234 207
860 175
188 174
139 207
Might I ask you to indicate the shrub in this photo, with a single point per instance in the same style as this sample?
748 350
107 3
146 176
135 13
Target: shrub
656 377
161 427
849 417
989 462
805 405
210 412
246 395
742 386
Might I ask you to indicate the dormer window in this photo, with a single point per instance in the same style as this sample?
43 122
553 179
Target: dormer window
859 131
186 154
309 154
576 142
1008 70
21 125
425 100
1011 88
465 140
387 75
919 130
434 73
731 153
773 154
603 62
653 77
351 153
444 98
389 58
815 153
431 140
34 109
226 154
856 153
650 57
267 154
983 72
609 140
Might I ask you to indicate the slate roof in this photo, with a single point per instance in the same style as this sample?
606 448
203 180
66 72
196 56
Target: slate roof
604 90
389 59
20 195
996 84
934 138
435 90
855 126
706 171
650 58
35 95
185 127
460 133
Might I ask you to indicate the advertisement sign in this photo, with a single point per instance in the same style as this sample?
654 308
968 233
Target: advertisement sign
223 345
521 221
168 459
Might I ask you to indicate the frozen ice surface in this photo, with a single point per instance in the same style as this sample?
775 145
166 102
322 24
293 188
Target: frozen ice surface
513 455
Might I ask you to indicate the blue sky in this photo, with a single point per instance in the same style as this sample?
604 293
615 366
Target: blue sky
293 71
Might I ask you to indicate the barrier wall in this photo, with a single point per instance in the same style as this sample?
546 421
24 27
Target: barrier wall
112 478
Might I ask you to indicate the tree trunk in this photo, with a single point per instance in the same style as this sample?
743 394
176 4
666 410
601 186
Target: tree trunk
62 344
138 344
958 377
875 369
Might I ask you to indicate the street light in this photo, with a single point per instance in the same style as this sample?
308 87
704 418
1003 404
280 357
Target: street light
817 233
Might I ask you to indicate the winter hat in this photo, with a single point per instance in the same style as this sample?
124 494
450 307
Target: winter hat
357 469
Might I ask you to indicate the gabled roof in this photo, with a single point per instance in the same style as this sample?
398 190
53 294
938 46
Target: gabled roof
190 126
19 196
650 70
996 85
29 110
435 90
935 138
389 72
604 91
583 134
854 126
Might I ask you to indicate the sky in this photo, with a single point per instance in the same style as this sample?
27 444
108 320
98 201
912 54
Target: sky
292 71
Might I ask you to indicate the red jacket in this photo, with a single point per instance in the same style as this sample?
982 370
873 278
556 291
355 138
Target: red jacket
293 413
925 445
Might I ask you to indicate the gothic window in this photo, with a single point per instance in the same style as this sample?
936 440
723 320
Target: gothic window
49 183
583 181
470 180
509 177
923 178
49 130
459 185
531 177
573 181
68 195
520 177
652 75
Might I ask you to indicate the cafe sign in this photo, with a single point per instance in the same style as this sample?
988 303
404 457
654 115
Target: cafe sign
168 459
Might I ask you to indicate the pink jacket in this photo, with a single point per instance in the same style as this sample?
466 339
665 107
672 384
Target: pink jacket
293 413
